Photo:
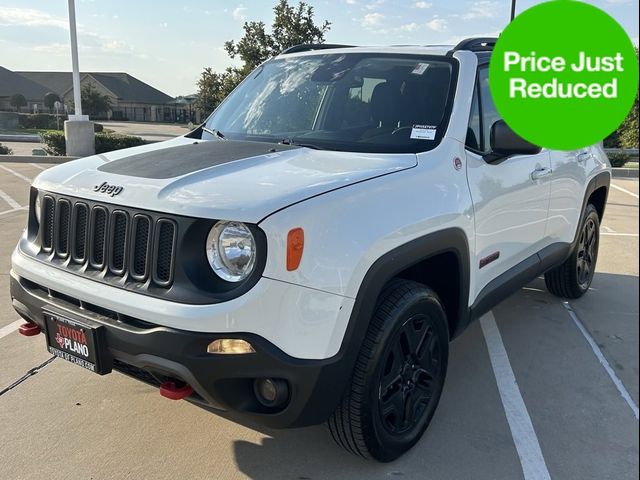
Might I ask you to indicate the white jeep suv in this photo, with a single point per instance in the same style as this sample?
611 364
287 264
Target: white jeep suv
307 254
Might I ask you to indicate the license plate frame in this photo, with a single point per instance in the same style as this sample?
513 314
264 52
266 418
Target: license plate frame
77 340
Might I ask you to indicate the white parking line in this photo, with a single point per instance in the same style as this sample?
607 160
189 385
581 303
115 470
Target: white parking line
603 361
13 210
12 327
19 175
37 166
12 203
624 190
524 436
616 234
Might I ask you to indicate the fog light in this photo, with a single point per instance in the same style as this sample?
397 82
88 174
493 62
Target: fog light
271 392
235 346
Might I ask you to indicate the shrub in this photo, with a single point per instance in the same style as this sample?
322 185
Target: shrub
105 142
39 120
4 150
618 159
54 142
98 127
612 141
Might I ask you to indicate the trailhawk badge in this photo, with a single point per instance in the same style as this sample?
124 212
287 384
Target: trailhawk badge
104 187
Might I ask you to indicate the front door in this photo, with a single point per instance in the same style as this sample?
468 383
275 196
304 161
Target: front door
510 197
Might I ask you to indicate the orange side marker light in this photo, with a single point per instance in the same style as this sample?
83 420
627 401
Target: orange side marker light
295 247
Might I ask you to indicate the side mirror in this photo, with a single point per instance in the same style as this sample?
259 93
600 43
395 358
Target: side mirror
505 142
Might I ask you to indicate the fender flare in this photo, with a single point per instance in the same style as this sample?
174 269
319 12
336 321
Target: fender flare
602 179
450 240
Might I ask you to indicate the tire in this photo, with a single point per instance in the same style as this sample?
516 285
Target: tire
398 376
573 278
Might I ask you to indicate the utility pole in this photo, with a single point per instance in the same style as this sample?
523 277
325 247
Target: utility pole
78 130
75 73
513 9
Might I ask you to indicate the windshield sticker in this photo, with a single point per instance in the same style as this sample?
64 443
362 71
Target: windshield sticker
420 68
423 132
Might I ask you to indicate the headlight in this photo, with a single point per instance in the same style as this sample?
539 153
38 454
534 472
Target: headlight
231 251
37 205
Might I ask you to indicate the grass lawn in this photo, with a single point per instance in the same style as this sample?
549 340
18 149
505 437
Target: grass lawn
36 131
25 131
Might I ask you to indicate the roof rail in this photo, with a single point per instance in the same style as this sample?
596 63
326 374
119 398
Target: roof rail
477 44
306 47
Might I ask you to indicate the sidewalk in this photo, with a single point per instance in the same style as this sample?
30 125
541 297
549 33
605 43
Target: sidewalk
22 148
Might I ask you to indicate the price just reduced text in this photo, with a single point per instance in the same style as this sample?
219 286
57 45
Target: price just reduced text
521 88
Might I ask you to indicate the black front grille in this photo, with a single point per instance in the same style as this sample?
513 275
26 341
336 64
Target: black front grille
109 240
81 222
48 217
118 241
160 255
141 235
165 246
98 240
62 232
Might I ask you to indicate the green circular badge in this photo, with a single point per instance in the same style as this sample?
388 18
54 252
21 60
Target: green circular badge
563 75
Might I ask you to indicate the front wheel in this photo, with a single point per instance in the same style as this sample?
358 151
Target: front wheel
573 278
398 377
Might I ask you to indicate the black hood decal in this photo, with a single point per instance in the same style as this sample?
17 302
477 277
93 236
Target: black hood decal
177 161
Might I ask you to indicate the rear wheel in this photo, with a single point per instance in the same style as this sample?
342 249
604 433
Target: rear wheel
398 377
573 278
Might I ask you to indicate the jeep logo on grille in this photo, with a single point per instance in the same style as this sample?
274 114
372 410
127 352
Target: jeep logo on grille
104 187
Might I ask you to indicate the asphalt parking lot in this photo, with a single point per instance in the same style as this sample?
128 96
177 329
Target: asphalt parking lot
549 408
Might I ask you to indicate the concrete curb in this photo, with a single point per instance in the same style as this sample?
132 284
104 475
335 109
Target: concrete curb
625 172
34 159
20 138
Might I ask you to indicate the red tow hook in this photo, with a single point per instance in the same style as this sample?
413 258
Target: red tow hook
29 329
170 390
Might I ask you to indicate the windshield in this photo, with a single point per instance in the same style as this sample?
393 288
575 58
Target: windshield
351 102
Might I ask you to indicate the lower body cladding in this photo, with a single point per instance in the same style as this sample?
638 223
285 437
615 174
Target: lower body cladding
266 386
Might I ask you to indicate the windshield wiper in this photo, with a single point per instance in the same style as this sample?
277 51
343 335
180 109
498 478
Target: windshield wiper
290 141
214 132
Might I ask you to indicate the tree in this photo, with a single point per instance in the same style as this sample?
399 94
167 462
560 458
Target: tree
213 87
17 100
50 100
292 25
628 131
93 102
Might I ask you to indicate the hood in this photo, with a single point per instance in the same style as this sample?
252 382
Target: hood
218 179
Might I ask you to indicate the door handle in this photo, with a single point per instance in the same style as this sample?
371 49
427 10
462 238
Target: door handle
583 157
539 173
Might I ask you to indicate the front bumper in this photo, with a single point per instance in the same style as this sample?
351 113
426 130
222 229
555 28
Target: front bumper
154 353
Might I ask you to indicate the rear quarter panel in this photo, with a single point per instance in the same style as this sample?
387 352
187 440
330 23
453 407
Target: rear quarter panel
568 189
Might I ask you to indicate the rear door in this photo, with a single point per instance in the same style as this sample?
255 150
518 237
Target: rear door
571 170
510 197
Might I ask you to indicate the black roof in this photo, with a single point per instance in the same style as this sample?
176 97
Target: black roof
477 44
12 83
124 86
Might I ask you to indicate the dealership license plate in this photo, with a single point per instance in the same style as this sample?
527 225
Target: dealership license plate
74 341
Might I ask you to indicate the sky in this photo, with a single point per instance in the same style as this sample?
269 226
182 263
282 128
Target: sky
168 43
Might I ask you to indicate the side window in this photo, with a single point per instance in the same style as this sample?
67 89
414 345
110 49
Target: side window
473 130
489 114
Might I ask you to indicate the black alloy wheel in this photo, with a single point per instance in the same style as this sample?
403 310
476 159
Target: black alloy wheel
411 373
587 251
